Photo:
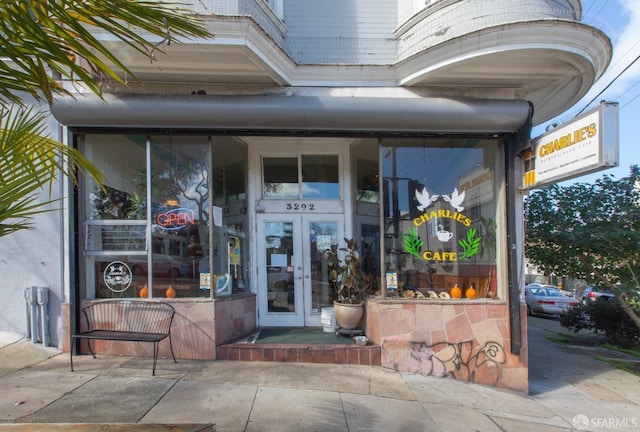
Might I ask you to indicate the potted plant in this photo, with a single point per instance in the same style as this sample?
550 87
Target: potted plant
349 282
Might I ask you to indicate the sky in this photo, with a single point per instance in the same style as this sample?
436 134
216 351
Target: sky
620 21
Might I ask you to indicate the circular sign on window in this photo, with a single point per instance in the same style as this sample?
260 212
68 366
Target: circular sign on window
117 276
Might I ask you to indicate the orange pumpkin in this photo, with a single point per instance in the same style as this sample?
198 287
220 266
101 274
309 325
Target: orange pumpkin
471 292
144 292
170 292
456 292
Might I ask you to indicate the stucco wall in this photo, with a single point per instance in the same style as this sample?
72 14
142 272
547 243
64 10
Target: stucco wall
35 258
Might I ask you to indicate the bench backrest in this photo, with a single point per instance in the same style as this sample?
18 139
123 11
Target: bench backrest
135 316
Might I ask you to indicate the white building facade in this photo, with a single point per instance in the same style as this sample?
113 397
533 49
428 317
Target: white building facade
235 162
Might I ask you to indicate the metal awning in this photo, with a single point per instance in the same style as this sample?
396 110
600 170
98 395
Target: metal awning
292 114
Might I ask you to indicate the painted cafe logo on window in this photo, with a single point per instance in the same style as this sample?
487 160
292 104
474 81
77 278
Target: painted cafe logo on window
469 245
117 276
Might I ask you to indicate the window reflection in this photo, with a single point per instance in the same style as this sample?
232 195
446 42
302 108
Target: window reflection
280 177
440 214
179 213
121 158
307 176
320 176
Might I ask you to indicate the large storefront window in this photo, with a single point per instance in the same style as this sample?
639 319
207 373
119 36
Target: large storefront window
229 251
115 235
179 213
167 248
441 206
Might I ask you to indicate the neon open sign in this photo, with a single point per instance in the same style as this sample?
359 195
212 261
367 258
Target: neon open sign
176 219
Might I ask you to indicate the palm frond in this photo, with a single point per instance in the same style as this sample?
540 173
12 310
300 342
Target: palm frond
30 162
41 35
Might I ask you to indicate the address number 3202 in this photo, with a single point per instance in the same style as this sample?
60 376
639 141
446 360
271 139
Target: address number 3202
300 206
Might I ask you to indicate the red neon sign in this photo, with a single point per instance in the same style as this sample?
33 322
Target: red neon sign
176 219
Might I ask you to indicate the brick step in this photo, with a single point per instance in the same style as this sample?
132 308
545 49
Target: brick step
369 355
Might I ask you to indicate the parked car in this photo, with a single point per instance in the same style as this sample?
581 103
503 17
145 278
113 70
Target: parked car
594 293
547 299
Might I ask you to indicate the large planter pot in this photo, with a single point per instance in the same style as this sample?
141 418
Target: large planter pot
348 316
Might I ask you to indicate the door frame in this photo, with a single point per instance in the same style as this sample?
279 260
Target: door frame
304 314
259 207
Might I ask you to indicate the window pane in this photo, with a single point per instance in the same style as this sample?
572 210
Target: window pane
279 253
229 170
367 172
440 211
125 194
115 218
229 258
322 236
117 276
180 214
280 177
320 176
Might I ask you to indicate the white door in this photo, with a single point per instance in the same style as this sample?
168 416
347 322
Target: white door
292 273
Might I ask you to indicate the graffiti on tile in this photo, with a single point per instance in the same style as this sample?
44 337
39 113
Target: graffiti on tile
458 360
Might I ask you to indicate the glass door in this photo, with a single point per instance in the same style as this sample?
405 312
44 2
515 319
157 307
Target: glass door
280 271
292 273
319 232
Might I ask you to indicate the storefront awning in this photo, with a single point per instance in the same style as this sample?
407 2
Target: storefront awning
291 114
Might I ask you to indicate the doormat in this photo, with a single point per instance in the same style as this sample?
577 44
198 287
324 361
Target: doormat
304 335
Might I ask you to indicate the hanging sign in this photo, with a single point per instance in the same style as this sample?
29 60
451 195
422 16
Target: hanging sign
585 145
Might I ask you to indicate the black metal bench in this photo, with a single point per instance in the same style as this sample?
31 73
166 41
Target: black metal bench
126 320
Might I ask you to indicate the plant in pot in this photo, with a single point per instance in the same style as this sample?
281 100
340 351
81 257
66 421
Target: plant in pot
349 282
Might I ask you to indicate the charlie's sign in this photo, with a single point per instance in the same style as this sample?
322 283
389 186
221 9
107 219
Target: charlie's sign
413 243
587 144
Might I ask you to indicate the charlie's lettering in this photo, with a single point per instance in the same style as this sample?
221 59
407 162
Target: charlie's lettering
442 214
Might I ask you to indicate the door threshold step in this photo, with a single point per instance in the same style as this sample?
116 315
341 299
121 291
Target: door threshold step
368 355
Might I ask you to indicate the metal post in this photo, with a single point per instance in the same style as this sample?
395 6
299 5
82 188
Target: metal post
27 312
33 312
43 302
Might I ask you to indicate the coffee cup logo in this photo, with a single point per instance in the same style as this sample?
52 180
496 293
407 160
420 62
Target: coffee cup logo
444 236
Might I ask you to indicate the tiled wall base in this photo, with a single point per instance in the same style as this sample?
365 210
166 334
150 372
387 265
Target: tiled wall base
468 340
328 354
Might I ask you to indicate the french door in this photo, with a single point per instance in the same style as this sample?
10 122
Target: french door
292 272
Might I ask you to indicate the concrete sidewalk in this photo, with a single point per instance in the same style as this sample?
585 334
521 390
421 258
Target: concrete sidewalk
570 390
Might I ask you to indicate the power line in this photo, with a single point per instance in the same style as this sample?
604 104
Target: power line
598 13
608 85
588 9
627 90
632 99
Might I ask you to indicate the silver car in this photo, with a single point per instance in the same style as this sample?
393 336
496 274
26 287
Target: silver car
593 294
547 299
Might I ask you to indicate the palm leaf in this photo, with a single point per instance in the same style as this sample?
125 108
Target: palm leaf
41 35
30 162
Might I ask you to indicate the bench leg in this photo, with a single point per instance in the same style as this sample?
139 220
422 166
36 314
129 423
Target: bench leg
155 357
71 348
90 349
171 346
